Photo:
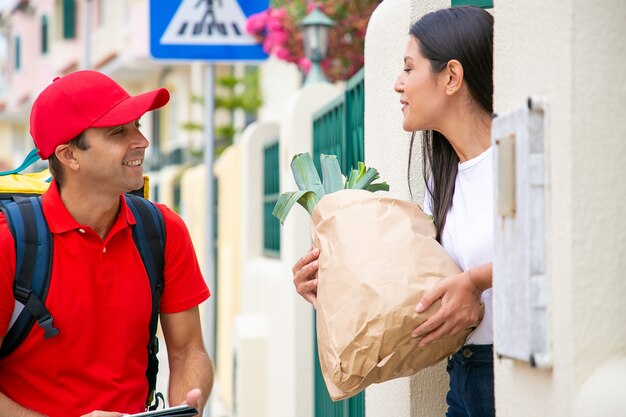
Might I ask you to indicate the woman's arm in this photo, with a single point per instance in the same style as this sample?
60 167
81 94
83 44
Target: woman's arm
460 304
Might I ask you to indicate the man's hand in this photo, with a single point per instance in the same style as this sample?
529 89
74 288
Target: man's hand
194 398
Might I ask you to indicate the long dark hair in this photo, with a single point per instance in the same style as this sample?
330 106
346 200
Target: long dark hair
464 34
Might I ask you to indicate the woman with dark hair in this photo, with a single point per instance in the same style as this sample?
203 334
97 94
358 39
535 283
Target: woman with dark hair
446 91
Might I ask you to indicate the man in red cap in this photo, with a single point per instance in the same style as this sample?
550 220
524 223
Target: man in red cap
87 126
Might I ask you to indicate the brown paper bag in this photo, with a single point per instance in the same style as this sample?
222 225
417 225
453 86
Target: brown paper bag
378 255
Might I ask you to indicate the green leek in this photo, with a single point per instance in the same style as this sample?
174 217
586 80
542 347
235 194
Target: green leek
311 189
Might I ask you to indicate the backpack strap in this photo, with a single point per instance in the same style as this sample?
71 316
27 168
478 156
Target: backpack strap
33 250
33 266
30 159
149 236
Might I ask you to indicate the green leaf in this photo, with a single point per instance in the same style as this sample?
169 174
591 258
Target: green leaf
309 200
381 186
352 178
366 179
306 175
331 173
305 198
362 168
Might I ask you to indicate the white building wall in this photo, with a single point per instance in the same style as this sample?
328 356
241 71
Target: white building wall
279 82
264 297
571 53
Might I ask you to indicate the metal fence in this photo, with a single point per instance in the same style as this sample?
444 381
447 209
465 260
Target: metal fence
338 130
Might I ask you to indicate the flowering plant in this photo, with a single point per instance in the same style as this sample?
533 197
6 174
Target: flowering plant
278 28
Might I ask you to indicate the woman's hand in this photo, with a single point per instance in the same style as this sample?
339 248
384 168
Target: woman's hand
459 311
305 275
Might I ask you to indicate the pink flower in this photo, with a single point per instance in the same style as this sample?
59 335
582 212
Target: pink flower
274 39
312 5
304 64
275 19
256 23
279 13
282 53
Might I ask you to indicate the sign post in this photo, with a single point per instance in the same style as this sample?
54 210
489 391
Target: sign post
212 31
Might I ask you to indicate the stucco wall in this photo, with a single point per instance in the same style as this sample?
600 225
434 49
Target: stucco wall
193 204
572 53
386 144
6 148
279 81
387 149
260 281
228 172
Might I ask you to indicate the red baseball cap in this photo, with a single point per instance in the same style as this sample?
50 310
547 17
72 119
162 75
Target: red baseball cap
84 99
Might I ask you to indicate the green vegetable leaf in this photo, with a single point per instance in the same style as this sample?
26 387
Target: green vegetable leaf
352 178
311 188
306 175
331 173
307 199
366 179
381 186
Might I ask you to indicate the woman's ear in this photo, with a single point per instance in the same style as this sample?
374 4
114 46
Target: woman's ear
454 76
66 157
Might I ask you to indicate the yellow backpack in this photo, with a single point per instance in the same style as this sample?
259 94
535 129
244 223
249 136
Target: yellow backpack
13 182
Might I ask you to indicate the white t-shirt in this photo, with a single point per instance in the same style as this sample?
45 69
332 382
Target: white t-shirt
468 232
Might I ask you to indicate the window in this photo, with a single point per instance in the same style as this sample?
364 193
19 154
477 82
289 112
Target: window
69 19
271 191
65 19
44 34
18 53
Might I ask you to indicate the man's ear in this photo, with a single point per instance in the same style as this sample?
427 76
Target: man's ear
454 77
65 155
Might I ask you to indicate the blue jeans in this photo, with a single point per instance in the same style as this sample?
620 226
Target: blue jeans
471 382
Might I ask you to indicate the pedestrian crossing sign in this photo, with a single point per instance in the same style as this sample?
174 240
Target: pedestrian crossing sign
206 30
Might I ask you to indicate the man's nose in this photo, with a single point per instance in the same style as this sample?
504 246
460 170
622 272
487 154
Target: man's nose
139 140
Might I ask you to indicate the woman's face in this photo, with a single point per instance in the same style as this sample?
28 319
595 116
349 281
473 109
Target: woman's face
421 93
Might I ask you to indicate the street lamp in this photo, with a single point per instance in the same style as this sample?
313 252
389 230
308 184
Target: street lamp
315 28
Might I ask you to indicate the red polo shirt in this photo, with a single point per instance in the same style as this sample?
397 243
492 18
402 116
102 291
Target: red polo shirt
100 299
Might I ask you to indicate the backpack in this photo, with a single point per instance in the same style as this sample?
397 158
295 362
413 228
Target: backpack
20 201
